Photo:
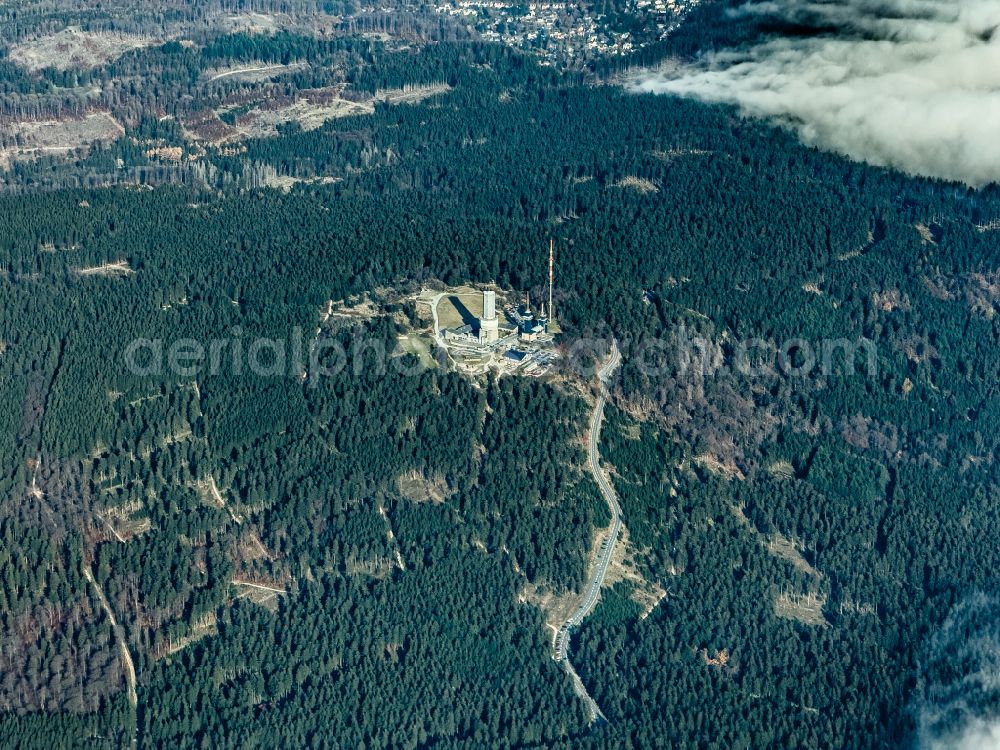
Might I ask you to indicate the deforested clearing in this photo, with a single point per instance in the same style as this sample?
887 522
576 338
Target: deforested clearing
36 137
639 184
112 268
412 94
75 48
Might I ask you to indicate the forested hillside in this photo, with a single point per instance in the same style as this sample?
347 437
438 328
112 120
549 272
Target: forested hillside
361 559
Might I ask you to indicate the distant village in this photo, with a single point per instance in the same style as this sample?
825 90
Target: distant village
560 31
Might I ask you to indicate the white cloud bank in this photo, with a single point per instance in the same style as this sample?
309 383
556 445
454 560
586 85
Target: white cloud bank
957 707
978 735
911 84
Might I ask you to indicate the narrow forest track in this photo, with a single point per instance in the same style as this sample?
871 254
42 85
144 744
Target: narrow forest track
434 301
593 590
260 586
127 664
243 71
220 500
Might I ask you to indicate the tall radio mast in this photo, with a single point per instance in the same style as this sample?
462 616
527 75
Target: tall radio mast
552 255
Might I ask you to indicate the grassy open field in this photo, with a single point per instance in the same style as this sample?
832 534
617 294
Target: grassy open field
462 305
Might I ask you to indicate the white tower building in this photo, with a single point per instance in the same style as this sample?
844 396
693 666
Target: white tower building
489 324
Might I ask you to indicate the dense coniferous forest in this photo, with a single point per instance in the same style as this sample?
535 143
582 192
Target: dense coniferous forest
369 558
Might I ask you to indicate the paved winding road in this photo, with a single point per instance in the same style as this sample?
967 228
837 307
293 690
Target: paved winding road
593 590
